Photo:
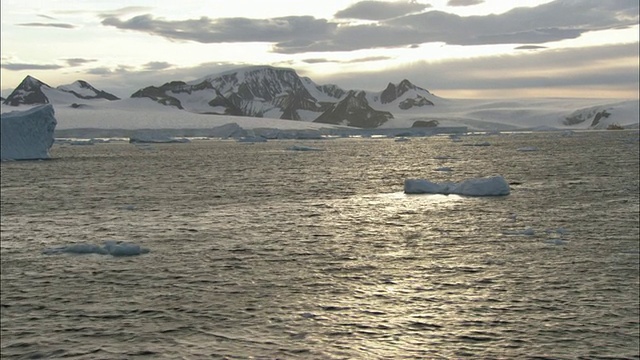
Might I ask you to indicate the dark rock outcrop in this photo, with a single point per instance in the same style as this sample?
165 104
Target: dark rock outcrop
354 110
29 92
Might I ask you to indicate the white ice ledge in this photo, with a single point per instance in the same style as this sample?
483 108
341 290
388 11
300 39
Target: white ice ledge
488 186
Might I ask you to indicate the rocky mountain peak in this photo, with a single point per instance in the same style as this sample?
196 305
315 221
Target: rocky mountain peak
29 92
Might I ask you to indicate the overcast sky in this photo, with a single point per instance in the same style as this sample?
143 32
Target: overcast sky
454 48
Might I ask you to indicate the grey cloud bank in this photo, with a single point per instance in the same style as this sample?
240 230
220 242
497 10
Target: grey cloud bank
554 21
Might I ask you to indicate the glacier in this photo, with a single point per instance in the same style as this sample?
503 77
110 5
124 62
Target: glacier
27 135
487 186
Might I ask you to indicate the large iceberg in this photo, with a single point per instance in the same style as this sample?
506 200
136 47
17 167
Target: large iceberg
27 135
488 186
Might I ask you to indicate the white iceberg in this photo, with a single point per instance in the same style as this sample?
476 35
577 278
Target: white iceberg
27 135
488 186
111 247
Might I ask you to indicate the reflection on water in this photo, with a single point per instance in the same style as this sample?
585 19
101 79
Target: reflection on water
261 252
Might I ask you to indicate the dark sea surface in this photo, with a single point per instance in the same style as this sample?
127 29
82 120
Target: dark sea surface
260 252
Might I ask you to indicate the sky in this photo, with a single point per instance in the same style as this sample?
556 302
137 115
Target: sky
453 48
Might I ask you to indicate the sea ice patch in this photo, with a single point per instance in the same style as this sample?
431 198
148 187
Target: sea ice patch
488 186
111 247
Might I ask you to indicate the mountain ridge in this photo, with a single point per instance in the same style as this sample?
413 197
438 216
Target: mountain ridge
32 91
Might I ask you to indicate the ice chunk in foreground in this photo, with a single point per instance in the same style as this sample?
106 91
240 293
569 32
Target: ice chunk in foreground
27 135
488 186
111 247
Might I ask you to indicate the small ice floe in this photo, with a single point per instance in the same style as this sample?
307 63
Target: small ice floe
488 186
525 232
443 168
111 247
528 149
303 148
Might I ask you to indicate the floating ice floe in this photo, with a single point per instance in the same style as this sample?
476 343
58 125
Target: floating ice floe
488 186
111 247
303 148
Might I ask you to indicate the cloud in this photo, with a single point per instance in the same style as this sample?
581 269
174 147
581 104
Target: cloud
543 72
73 62
318 61
291 30
358 60
157 65
464 2
25 66
124 11
55 25
46 17
530 47
379 10
299 34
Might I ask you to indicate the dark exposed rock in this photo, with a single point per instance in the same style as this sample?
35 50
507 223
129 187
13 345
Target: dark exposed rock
29 92
159 94
418 101
99 94
425 123
354 110
598 116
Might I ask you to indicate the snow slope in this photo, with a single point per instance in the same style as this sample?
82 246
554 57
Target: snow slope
481 115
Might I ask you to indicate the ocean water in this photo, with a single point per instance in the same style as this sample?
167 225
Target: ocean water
261 252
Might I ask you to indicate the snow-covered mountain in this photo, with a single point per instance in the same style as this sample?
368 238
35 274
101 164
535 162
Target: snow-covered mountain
265 91
32 91
262 97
